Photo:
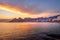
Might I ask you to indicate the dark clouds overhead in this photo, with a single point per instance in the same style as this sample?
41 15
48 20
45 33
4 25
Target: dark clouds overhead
34 6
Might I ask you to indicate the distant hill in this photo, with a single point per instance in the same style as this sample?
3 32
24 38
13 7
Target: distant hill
39 19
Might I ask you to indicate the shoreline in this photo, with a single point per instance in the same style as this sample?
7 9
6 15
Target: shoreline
29 22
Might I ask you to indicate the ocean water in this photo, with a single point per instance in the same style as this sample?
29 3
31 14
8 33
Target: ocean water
28 30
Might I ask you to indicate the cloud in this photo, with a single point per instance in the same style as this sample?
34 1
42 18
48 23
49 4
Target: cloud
32 6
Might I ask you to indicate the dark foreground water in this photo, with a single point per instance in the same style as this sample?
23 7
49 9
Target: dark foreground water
28 31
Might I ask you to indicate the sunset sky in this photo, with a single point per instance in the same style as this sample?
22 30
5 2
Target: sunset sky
28 8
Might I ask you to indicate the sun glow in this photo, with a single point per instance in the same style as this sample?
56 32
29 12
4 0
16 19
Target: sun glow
22 14
13 10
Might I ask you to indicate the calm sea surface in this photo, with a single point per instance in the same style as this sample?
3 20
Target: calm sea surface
23 30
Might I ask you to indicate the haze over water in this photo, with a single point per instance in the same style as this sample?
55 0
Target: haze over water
23 30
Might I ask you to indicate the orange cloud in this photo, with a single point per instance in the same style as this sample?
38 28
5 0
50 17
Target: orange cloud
24 14
9 7
14 10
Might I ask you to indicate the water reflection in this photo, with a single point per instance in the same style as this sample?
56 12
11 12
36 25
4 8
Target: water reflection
23 30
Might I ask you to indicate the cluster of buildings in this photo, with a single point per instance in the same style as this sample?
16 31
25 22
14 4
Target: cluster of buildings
40 19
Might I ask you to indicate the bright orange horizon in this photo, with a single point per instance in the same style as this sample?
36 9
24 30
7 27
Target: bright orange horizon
14 10
22 14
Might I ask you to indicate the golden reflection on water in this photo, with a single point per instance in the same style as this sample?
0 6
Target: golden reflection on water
20 30
13 30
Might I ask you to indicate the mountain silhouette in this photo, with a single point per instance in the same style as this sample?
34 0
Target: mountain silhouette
39 19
